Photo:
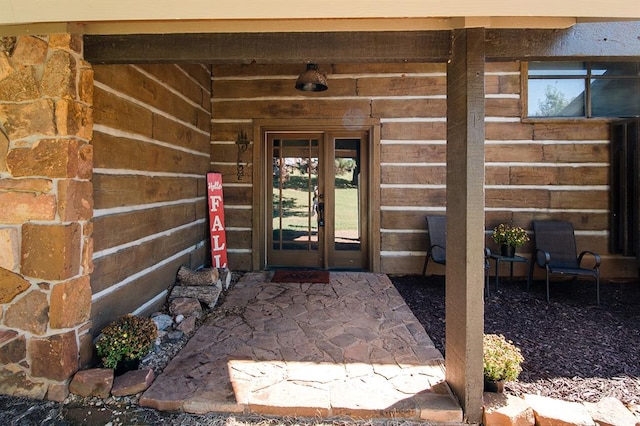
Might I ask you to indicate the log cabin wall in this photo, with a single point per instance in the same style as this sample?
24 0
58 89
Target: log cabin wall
151 146
534 169
395 93
546 169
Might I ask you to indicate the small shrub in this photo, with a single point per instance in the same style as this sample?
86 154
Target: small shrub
127 338
502 358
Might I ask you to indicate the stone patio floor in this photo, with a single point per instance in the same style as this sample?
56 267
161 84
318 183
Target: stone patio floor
348 348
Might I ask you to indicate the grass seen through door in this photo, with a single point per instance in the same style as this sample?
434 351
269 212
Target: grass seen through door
297 203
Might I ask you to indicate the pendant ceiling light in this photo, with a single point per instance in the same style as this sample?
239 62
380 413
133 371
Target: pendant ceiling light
312 80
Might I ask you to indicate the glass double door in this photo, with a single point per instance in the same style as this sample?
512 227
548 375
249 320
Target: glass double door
317 200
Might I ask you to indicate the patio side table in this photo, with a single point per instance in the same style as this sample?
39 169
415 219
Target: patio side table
515 259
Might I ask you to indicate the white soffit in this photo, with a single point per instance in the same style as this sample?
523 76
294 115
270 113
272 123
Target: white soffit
161 16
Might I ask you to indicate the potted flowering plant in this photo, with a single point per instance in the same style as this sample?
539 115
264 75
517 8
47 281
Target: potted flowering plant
509 237
129 338
502 361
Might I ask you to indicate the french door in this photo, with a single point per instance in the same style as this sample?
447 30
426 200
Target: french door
316 198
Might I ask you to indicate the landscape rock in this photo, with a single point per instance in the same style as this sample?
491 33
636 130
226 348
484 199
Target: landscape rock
57 392
133 382
175 336
163 321
161 336
225 278
203 277
185 306
610 411
505 410
208 295
188 325
555 412
92 382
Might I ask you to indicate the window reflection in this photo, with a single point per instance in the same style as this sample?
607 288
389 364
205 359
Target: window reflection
295 175
347 194
583 89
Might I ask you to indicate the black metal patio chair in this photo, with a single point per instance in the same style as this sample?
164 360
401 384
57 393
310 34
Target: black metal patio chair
437 251
555 251
437 228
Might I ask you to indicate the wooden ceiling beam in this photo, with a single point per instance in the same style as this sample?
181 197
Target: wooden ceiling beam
265 48
612 40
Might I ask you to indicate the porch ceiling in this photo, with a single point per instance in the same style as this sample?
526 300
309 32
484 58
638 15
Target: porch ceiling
202 16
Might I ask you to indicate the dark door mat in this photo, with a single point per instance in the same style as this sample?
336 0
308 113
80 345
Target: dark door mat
320 277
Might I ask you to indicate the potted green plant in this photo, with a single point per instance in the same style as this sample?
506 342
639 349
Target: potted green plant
509 237
124 342
502 361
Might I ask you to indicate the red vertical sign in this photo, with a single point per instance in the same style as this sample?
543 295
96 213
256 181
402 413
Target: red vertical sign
216 221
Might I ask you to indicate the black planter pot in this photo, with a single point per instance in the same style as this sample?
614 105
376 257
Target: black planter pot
507 250
126 365
496 386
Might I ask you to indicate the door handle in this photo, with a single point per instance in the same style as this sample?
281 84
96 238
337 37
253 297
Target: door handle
321 214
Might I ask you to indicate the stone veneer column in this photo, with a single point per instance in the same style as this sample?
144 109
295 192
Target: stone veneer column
46 199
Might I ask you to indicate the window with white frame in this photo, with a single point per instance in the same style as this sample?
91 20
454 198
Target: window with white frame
583 89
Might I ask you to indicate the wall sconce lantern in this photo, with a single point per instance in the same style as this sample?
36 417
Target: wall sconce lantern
243 144
312 80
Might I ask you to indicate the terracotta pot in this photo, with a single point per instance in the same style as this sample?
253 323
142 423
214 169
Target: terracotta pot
507 250
493 385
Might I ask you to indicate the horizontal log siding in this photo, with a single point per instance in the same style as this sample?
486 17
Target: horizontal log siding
537 170
534 169
244 93
151 155
413 172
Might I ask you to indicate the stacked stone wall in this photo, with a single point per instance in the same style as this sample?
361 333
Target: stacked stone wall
46 206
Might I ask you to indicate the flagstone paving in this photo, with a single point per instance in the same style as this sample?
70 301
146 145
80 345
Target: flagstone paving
351 347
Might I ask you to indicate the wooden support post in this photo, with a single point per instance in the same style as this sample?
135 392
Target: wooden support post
465 224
